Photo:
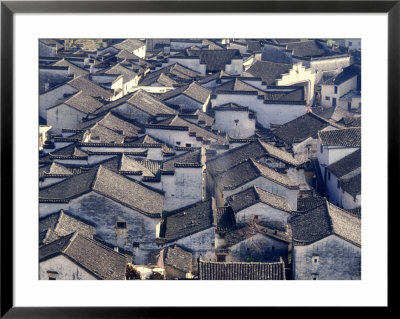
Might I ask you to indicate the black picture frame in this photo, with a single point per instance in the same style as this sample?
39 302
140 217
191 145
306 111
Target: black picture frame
9 8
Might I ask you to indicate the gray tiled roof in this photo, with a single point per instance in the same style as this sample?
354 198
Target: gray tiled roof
254 195
352 185
62 223
215 60
275 55
109 184
90 88
82 102
323 221
209 270
348 137
188 220
119 69
129 164
72 68
70 150
300 128
58 169
176 72
248 171
346 165
101 134
115 123
129 45
193 90
343 76
178 258
307 203
269 72
98 259
309 48
149 104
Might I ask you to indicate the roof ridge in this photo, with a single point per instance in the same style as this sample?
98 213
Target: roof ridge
70 240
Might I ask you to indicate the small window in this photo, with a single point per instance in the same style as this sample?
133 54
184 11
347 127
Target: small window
221 258
335 89
329 176
315 259
350 43
327 98
314 276
348 106
136 245
121 225
178 143
52 275
52 278
188 145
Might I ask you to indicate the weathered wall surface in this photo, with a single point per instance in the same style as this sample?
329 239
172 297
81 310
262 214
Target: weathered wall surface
331 258
66 269
53 97
225 122
63 116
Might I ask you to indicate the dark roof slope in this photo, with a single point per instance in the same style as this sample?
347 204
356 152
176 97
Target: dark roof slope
188 220
90 88
189 159
248 171
63 223
300 128
269 72
254 195
178 258
343 76
149 104
109 184
346 165
193 90
129 45
275 55
209 270
98 259
352 185
310 48
348 137
225 219
215 60
323 221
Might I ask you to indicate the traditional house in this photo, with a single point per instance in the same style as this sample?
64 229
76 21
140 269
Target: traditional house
262 205
192 228
77 257
253 243
335 88
340 174
142 107
251 173
209 270
124 211
189 97
326 244
285 75
177 131
301 134
335 144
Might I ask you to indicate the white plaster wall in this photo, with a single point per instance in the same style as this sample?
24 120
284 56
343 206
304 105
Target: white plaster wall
300 75
235 67
342 89
202 242
265 113
45 50
321 66
349 202
338 260
53 97
171 137
67 269
50 181
183 188
63 116
264 212
225 122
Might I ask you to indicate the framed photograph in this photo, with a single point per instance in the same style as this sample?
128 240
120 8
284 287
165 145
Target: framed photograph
214 142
